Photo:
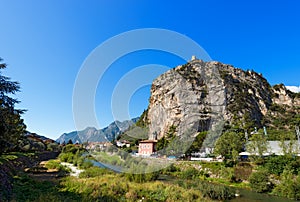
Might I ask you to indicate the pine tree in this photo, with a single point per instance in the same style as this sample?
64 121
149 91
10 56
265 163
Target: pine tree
11 125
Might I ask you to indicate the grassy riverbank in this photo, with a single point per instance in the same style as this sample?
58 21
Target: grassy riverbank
181 181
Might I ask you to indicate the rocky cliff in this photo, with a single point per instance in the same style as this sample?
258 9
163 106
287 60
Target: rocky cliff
204 96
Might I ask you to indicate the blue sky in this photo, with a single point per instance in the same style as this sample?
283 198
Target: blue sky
45 43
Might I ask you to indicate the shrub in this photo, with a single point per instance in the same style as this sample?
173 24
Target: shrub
190 173
142 177
66 157
216 192
242 171
93 172
86 164
259 181
276 164
289 185
54 164
52 147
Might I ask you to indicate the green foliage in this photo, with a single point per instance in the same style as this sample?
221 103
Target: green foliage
259 181
142 177
28 189
229 145
94 172
55 164
276 164
258 144
143 120
242 171
162 143
11 125
52 147
170 169
73 154
209 190
289 185
197 143
191 173
216 192
117 188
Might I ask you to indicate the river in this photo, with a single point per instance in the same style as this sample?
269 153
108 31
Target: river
250 196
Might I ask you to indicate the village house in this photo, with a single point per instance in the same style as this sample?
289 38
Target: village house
123 143
98 146
147 147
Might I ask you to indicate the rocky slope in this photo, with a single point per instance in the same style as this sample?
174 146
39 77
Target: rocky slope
91 134
201 96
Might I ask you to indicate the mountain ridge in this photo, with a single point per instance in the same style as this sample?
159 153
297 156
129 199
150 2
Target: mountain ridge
91 134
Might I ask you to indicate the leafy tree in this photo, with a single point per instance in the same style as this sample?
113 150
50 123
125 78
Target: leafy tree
288 144
229 145
11 125
197 143
162 143
258 144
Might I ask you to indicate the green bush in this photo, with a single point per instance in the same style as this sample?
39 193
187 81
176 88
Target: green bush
276 164
190 173
54 164
66 157
86 164
93 172
52 147
216 192
259 181
142 177
289 185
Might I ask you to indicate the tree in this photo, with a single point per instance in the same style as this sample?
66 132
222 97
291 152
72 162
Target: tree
197 143
229 145
288 144
11 125
258 144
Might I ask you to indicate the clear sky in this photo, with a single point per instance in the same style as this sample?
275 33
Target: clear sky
45 43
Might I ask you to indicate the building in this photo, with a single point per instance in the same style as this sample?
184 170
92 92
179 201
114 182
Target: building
275 148
98 146
147 147
123 143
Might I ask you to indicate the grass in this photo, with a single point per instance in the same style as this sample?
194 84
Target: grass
55 164
117 187
109 159
28 189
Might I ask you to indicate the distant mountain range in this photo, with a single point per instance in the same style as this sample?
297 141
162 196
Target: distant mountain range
91 134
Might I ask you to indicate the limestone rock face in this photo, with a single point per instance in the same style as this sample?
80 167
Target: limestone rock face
282 96
200 96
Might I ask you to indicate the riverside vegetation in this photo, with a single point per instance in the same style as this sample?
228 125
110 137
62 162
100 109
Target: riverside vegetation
100 184
24 177
181 181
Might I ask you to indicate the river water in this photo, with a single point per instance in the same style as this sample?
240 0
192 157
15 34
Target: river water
250 196
246 195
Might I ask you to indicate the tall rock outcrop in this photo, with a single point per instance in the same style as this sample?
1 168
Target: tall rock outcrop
201 96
